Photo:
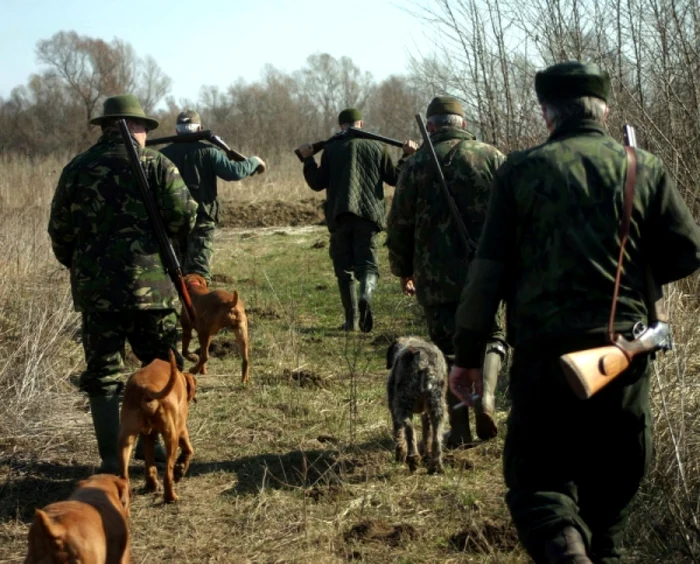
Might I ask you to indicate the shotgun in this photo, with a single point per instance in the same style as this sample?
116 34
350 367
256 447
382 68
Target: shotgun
353 132
167 253
204 135
590 370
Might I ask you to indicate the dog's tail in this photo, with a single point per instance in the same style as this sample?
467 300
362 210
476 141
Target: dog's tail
151 398
232 306
50 529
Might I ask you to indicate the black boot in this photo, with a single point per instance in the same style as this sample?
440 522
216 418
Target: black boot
105 418
486 405
368 283
566 547
348 297
459 435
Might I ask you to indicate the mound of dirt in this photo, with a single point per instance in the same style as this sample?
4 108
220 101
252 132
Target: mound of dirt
304 379
221 349
271 213
380 531
263 313
485 536
221 278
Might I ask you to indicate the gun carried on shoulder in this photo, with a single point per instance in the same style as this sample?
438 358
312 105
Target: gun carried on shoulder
353 132
590 370
167 253
204 135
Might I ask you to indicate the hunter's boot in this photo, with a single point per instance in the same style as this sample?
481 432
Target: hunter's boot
105 418
368 283
348 297
161 454
485 406
566 547
459 435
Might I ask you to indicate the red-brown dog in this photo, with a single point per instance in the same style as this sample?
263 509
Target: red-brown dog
156 400
215 310
89 527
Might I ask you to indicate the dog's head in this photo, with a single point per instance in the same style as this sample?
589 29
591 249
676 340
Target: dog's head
195 280
391 353
191 386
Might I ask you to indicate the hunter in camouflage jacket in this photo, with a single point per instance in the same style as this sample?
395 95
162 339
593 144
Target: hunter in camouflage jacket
100 230
422 237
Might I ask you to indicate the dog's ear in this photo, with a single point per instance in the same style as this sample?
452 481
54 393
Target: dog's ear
391 354
124 492
191 386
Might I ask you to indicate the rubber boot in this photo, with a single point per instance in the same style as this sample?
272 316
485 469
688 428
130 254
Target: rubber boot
348 297
566 547
485 406
368 283
161 455
105 418
459 435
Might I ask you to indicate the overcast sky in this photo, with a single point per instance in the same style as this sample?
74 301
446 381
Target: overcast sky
215 42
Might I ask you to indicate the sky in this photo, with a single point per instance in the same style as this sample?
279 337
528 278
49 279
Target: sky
216 42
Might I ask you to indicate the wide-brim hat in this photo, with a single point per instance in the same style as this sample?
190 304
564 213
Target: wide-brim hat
572 79
124 106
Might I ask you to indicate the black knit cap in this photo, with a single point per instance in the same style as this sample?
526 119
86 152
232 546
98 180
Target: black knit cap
572 79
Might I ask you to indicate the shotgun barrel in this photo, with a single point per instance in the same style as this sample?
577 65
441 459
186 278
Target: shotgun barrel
354 132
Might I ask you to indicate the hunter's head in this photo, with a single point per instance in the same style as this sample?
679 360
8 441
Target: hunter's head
350 117
126 106
573 91
445 111
188 121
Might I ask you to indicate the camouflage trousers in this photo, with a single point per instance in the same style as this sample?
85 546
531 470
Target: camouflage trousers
354 247
573 462
200 249
151 334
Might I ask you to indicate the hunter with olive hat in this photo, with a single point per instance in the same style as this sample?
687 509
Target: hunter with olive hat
100 231
353 172
425 251
549 249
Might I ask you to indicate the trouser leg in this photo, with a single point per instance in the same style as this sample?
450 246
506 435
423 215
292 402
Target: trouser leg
366 267
200 249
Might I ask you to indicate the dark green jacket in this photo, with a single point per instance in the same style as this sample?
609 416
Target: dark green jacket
353 171
200 164
551 241
422 237
99 228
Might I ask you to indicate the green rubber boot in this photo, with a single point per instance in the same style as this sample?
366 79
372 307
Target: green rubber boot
348 297
368 283
105 419
485 406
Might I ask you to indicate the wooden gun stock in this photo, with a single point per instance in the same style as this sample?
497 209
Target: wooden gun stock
318 146
589 370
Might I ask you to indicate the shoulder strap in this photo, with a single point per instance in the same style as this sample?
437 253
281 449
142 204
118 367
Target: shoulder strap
627 205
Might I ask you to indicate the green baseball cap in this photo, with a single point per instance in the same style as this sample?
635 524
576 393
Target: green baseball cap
124 106
189 116
572 79
349 115
441 105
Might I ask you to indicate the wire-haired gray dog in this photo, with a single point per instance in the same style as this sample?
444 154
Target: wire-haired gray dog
417 384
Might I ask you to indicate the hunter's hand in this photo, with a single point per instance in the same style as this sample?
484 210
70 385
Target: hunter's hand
262 167
466 384
305 150
409 147
408 286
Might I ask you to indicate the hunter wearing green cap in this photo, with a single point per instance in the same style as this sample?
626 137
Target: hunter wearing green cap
549 249
424 247
353 172
200 165
99 230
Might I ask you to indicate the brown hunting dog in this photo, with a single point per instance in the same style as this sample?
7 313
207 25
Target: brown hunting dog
156 400
215 310
89 527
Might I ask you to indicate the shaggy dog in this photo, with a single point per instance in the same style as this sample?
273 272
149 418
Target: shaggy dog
417 384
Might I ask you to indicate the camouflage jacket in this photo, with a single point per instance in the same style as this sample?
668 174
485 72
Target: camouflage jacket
99 227
551 241
353 171
422 237
200 164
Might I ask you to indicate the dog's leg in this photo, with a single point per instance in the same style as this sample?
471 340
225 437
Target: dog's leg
436 409
204 342
149 456
399 439
424 445
125 443
241 333
170 439
186 452
413 457
187 337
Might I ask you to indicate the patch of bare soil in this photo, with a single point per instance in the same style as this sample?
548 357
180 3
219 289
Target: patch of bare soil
385 339
271 213
485 536
220 278
221 349
263 313
380 531
326 493
305 379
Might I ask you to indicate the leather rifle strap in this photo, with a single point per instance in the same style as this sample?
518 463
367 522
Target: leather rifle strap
627 206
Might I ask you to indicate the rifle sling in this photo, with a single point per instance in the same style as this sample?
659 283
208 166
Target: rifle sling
627 206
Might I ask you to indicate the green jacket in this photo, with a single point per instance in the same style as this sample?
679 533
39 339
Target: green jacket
422 237
99 228
353 171
551 241
200 164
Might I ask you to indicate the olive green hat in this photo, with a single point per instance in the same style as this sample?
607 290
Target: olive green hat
349 115
572 79
441 105
124 106
189 116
